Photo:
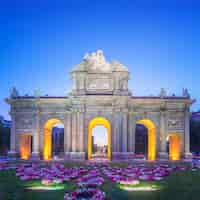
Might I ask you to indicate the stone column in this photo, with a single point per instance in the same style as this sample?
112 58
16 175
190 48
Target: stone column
74 130
119 138
124 131
67 136
78 131
131 132
187 134
77 136
81 131
115 132
81 154
117 129
13 151
74 153
41 140
67 132
116 85
163 134
36 137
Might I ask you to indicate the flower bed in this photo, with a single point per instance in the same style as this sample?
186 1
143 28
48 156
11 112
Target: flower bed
90 177
86 194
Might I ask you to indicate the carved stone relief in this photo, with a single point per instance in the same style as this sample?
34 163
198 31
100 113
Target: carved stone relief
176 123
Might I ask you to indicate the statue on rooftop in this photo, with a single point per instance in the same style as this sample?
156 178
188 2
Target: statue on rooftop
185 92
163 92
37 93
97 61
14 93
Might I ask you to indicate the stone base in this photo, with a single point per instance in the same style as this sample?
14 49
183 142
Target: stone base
12 154
35 156
75 156
163 156
188 155
122 155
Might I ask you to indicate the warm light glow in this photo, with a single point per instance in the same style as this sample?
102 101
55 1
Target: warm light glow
25 146
151 137
140 188
46 188
94 122
174 146
47 137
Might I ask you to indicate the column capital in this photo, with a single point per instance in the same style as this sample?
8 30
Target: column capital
124 110
187 108
132 113
163 112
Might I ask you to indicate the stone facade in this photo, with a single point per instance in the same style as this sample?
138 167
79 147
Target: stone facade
100 89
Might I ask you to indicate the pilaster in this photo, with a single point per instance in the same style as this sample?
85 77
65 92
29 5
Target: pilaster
124 130
131 132
81 131
36 137
67 132
13 150
74 130
116 132
163 135
187 134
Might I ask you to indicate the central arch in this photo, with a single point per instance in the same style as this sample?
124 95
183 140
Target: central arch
47 148
151 128
95 122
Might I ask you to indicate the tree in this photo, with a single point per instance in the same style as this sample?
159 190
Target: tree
4 139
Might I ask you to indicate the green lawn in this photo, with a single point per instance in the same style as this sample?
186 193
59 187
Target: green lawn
178 186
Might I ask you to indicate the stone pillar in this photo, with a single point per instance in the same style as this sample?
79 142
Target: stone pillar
131 132
77 136
80 155
124 131
81 131
41 140
67 136
78 131
163 134
36 137
187 134
74 130
13 152
115 133
117 129
119 138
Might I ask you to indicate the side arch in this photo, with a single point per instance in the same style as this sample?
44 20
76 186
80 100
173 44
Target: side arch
151 137
95 122
47 142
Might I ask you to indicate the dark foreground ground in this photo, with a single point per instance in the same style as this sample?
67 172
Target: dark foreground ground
183 185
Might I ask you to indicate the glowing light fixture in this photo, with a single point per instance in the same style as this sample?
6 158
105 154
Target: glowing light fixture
61 187
140 188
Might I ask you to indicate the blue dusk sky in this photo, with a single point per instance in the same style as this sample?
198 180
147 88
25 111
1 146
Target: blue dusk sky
40 42
100 135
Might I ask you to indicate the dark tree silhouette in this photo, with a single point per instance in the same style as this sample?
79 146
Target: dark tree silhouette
4 139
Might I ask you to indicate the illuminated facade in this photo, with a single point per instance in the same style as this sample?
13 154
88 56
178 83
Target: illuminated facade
100 96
